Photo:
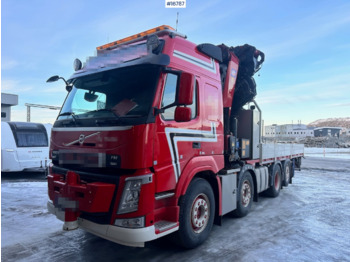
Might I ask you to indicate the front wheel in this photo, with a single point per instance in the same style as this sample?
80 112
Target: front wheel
196 214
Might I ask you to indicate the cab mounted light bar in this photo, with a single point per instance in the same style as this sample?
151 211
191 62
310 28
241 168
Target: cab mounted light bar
159 30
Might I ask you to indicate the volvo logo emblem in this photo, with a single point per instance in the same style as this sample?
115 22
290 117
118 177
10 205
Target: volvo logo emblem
81 139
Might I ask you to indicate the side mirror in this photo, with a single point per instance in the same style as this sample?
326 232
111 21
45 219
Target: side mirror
183 114
52 79
185 91
56 78
90 97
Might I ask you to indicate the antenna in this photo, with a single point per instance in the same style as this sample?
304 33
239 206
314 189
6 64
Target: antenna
177 19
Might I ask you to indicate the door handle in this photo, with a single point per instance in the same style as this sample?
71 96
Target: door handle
196 145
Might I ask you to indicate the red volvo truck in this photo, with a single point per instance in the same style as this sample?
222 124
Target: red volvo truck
158 135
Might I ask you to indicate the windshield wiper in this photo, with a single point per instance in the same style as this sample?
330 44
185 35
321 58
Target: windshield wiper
103 110
113 112
104 122
106 110
70 114
130 116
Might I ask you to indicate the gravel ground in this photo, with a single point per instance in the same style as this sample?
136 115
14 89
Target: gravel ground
309 221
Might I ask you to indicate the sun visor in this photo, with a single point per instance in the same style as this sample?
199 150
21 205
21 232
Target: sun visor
107 62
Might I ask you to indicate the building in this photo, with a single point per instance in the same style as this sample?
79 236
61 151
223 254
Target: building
288 131
7 100
327 131
345 132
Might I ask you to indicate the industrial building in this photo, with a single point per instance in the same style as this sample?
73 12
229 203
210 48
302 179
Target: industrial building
288 131
327 131
7 100
345 132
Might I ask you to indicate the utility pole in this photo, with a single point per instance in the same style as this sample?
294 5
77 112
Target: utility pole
40 106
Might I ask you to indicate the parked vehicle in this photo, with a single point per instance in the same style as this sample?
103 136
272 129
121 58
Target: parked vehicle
24 146
159 135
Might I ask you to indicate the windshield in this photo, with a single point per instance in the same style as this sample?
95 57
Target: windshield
112 96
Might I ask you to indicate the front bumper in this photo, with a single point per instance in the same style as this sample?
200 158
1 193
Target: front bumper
134 237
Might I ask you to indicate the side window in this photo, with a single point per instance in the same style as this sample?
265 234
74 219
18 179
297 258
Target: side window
169 96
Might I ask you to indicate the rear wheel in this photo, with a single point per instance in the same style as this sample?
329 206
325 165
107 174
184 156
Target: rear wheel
196 214
287 172
275 188
245 195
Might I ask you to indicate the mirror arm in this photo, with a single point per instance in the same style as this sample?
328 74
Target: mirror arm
168 106
64 81
158 111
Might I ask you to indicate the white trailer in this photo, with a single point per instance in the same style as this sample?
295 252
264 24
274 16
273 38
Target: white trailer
24 146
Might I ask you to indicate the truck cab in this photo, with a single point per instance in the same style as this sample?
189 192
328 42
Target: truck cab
140 121
142 137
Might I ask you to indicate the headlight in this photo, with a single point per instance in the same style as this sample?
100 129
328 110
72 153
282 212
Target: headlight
131 193
130 197
152 42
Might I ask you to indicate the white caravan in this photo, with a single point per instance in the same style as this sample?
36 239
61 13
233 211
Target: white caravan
24 146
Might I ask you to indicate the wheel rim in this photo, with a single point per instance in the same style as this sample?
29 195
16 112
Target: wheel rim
246 193
277 181
200 213
287 173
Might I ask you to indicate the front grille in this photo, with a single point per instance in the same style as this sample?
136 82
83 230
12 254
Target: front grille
88 177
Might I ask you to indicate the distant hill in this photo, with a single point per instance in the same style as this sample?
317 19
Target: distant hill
331 122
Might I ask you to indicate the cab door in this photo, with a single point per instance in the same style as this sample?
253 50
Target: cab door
176 143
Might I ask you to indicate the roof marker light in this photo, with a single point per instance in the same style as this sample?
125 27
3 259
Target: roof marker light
158 29
77 64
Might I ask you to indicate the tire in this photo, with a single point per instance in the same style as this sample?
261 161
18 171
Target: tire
197 209
275 188
245 195
287 171
298 162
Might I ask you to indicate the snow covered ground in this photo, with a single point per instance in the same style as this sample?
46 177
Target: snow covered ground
309 221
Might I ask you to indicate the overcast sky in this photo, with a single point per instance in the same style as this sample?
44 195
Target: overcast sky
305 76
